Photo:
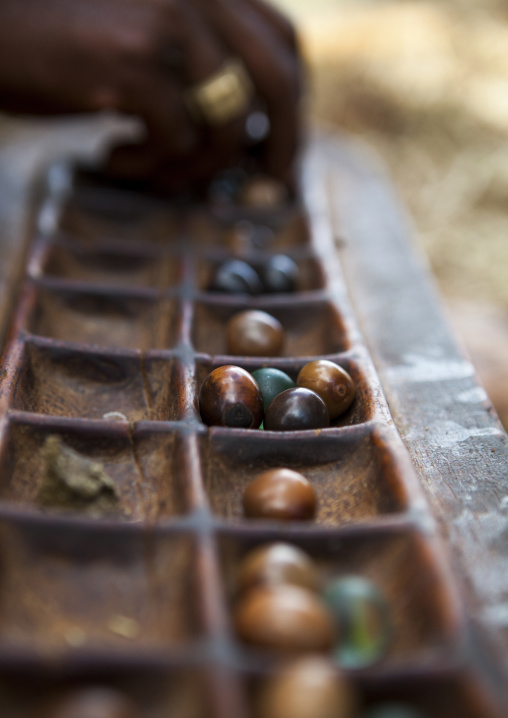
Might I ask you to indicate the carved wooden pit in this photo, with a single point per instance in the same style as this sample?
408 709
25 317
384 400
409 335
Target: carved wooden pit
112 334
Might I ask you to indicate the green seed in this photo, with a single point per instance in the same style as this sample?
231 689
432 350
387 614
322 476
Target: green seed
361 614
272 382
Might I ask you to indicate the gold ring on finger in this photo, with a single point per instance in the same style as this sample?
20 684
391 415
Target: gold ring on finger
222 97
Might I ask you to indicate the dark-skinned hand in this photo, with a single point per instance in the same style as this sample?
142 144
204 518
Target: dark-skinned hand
139 58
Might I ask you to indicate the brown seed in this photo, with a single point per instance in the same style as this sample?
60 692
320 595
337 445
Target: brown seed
94 703
229 396
277 563
280 494
331 382
309 687
285 618
263 192
245 236
254 333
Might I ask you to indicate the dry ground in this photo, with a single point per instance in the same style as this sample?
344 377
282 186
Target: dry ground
426 83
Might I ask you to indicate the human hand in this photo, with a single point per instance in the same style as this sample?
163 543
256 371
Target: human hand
139 57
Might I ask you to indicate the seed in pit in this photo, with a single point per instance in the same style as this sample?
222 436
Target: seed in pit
308 687
284 618
254 333
296 409
331 382
229 396
263 192
272 382
236 277
94 703
361 612
280 494
276 563
279 274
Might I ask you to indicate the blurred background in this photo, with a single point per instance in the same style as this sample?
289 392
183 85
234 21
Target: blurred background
426 85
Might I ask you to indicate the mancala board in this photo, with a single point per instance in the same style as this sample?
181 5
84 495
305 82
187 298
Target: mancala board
113 333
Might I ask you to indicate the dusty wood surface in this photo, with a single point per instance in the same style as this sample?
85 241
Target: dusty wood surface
455 442
446 419
25 147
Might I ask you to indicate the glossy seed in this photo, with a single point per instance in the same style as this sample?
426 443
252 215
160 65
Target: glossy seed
225 186
331 382
309 687
236 277
284 618
280 494
272 382
279 274
277 563
254 333
94 703
296 409
263 191
362 615
245 236
229 396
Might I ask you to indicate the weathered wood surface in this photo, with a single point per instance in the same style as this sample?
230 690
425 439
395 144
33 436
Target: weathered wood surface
25 147
446 420
455 441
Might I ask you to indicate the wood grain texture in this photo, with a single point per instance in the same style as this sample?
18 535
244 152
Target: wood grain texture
445 418
25 146
87 345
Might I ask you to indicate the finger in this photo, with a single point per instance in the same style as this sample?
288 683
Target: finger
205 54
159 101
203 50
286 32
150 91
274 71
279 23
168 132
156 95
